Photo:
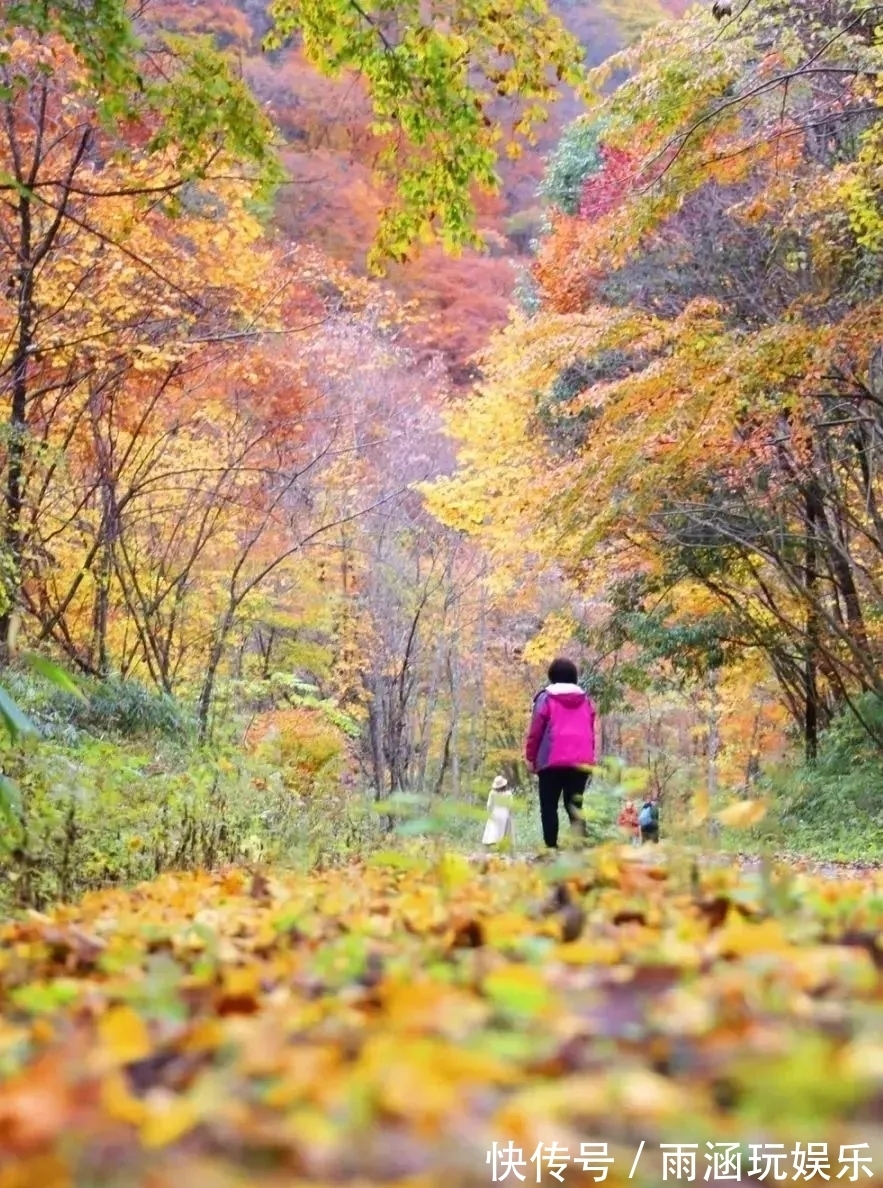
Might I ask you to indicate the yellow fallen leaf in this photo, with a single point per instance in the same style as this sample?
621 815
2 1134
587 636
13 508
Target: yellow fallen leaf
312 1071
118 1103
123 1035
645 1094
168 1119
454 870
609 865
42 1031
504 927
206 1035
740 938
314 1132
240 985
409 1088
863 1061
518 988
424 1006
576 1097
464 1064
743 814
589 953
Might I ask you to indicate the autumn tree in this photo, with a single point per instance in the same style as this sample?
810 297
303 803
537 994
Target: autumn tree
183 456
93 180
400 586
699 357
156 369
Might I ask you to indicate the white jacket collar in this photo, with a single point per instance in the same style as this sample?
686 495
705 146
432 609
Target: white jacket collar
563 688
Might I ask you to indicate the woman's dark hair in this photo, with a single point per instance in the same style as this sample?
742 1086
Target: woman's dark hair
563 672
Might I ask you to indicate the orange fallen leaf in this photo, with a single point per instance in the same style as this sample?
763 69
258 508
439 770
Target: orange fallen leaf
35 1106
41 1171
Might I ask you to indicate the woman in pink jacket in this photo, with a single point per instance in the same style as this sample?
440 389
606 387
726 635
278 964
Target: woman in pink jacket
560 747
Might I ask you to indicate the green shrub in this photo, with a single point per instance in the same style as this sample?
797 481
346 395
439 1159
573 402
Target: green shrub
833 809
112 707
100 814
125 708
336 827
103 783
838 801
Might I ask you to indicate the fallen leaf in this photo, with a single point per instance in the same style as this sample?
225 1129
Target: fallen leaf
123 1035
743 814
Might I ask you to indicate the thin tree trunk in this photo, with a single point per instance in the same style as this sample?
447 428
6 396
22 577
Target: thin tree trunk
17 429
454 731
713 742
811 692
207 691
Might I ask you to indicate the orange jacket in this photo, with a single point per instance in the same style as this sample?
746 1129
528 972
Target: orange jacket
628 818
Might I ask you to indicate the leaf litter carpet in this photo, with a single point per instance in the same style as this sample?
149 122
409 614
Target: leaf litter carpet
431 1021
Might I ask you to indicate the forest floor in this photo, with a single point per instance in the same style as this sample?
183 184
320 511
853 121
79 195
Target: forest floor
421 1019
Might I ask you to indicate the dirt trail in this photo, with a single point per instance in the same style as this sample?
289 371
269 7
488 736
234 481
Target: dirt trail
751 863
826 870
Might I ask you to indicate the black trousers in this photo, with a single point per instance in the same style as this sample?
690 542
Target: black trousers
555 781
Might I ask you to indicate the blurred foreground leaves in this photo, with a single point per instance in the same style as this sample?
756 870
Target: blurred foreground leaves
392 1021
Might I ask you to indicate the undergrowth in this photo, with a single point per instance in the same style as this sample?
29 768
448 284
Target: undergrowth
831 810
114 788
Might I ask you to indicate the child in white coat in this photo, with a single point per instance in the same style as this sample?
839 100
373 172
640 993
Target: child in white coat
499 807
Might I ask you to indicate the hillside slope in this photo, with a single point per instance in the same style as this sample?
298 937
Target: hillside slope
333 201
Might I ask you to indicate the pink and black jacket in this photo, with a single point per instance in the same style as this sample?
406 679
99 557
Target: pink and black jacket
562 729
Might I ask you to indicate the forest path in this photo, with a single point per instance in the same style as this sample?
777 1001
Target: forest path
748 863
816 867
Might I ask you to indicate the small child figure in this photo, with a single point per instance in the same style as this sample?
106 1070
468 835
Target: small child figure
648 819
499 807
628 820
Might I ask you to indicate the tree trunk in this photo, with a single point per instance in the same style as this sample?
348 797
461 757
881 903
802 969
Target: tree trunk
207 691
453 737
375 734
811 692
713 740
11 569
